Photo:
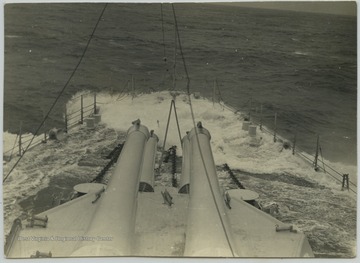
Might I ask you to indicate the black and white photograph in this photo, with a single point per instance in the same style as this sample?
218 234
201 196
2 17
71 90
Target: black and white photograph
180 129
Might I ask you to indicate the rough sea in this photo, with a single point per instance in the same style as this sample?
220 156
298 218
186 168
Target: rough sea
301 66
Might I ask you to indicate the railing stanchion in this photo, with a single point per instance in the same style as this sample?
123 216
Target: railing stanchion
94 103
82 110
345 182
317 154
275 127
261 109
20 132
250 109
44 141
214 93
294 144
132 87
66 120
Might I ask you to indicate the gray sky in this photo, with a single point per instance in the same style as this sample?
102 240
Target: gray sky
329 7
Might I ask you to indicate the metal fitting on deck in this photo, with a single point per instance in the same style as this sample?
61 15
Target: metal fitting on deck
227 199
40 218
38 221
33 223
285 228
39 254
98 195
199 130
138 127
153 135
167 198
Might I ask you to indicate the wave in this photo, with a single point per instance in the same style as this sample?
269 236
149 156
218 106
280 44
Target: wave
12 36
230 144
11 143
269 169
302 53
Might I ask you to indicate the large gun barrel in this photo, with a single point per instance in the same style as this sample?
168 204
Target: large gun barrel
147 175
185 168
208 230
113 225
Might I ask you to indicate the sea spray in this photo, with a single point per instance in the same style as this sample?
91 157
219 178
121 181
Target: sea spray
229 143
273 172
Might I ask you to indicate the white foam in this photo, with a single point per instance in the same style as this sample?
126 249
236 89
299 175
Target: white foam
11 142
230 144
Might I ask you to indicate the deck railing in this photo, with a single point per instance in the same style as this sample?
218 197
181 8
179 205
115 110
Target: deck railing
318 163
71 121
77 117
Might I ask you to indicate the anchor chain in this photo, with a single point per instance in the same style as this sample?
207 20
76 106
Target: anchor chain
113 155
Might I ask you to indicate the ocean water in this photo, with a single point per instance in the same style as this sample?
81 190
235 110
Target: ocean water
300 65
310 201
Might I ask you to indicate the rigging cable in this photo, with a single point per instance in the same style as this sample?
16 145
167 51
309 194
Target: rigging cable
164 48
218 89
60 94
172 104
163 33
175 50
197 136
